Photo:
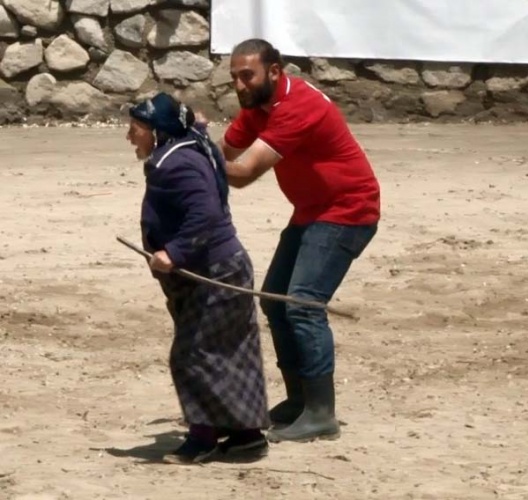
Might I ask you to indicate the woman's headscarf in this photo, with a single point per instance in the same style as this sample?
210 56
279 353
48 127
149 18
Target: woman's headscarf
171 119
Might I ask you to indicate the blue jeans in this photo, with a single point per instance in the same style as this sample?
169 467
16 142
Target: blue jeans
310 263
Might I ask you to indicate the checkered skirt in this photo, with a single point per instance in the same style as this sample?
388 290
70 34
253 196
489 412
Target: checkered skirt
216 359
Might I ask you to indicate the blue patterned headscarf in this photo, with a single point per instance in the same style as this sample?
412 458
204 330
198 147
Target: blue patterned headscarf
170 119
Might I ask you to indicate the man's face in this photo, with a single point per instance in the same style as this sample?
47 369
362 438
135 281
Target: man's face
254 82
142 138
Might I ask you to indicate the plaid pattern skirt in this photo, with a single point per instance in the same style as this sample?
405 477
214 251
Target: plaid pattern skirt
216 358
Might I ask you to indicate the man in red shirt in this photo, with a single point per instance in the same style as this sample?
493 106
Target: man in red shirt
290 126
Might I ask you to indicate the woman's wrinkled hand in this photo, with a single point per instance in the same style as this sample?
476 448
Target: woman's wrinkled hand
161 262
201 119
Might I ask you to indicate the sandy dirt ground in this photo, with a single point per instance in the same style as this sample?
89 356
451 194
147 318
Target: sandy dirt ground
432 380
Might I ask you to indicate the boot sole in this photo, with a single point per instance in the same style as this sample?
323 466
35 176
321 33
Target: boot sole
307 439
183 460
242 458
252 451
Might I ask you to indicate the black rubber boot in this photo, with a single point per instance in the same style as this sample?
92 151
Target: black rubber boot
289 410
317 421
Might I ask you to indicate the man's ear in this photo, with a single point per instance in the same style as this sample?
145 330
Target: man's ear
275 72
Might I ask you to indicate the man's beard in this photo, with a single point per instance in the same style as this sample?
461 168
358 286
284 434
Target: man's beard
257 97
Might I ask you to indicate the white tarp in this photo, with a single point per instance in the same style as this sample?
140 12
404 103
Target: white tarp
427 30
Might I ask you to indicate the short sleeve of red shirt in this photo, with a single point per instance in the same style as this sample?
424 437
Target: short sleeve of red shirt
290 124
285 131
241 133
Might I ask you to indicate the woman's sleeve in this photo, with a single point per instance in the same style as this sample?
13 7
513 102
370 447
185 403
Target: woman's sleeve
187 190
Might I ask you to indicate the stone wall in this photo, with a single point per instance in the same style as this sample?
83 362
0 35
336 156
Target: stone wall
88 59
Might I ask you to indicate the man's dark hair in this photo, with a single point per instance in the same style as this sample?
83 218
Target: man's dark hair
268 53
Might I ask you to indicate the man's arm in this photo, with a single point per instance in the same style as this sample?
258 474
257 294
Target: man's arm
230 153
257 159
245 165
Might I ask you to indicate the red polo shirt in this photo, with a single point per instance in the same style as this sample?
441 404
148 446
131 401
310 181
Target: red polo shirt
323 172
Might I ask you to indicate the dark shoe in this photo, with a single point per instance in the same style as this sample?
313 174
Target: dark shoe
287 411
192 451
223 432
243 447
317 421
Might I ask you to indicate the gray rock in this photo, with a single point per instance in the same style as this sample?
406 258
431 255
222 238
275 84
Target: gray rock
293 69
64 54
122 72
505 113
89 31
89 7
229 104
447 76
11 113
40 89
175 29
442 101
131 31
484 116
198 96
8 24
509 96
392 73
365 90
477 90
199 4
506 84
332 70
8 93
127 6
182 67
29 32
20 57
46 14
405 102
11 104
470 108
97 55
372 111
222 73
143 96
80 98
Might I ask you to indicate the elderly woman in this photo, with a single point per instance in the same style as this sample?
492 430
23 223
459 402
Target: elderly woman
215 359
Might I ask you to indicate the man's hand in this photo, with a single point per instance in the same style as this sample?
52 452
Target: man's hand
258 159
161 262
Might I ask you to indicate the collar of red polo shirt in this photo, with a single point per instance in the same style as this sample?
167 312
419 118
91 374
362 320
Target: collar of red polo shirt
282 90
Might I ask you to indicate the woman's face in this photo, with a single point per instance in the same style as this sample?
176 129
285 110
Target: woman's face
142 137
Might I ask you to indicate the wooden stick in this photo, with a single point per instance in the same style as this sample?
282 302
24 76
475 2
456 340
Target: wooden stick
264 295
